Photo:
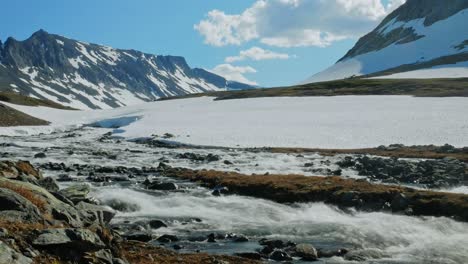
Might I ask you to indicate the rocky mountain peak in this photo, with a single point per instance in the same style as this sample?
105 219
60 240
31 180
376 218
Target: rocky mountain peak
84 75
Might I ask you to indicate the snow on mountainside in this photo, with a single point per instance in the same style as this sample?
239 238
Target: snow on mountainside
419 38
90 76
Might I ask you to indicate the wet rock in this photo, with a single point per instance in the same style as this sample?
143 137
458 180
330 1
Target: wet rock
166 186
240 239
273 243
227 162
211 238
167 238
168 136
49 184
141 236
10 256
332 253
54 239
309 165
280 255
177 247
307 252
64 178
250 255
156 224
40 155
400 203
218 190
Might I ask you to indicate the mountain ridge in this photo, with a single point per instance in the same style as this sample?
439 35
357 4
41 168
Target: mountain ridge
409 39
91 76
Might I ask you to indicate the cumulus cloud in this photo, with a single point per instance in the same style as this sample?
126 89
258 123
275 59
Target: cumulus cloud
295 23
257 54
235 73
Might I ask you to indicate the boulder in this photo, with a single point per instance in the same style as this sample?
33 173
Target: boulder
40 155
122 206
76 193
8 255
14 207
156 224
307 252
77 239
166 186
96 213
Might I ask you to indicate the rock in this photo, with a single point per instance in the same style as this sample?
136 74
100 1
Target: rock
141 236
240 239
399 203
64 178
119 261
103 256
167 239
10 169
78 239
280 255
250 255
49 184
218 190
16 208
211 238
309 165
9 256
197 157
40 155
332 253
306 252
156 224
227 162
167 186
97 213
273 243
76 193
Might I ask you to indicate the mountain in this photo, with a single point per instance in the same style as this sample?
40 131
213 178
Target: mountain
420 39
89 76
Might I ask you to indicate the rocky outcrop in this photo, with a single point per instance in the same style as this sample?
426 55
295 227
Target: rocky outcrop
39 225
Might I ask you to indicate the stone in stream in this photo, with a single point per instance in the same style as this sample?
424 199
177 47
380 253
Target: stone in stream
122 206
40 155
280 255
307 252
156 224
332 253
240 239
166 186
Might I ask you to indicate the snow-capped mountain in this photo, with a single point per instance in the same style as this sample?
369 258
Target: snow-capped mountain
90 76
420 39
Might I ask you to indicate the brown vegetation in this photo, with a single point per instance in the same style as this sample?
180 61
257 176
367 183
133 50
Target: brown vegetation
404 152
333 190
143 253
13 117
19 99
29 195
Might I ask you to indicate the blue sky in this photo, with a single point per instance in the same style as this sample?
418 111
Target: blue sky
298 29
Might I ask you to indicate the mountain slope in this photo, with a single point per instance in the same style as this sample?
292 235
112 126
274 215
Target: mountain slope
90 76
421 34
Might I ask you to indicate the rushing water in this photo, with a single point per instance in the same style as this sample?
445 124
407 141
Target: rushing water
384 238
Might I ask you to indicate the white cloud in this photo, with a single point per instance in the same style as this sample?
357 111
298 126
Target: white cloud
295 23
234 73
257 54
